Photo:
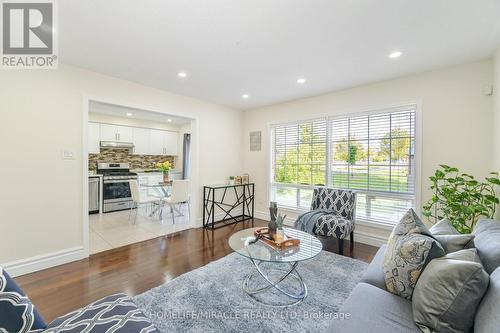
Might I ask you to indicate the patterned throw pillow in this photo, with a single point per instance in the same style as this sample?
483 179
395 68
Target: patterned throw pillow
410 248
17 313
115 313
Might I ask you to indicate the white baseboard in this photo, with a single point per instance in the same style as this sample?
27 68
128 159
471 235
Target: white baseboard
368 239
36 263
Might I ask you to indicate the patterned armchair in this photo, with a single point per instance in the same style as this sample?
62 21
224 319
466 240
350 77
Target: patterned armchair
339 222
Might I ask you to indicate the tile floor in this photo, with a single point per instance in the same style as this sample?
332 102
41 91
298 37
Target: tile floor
112 230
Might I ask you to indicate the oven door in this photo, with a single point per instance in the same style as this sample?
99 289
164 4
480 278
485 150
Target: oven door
116 190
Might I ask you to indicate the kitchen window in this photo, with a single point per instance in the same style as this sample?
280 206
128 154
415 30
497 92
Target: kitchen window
373 154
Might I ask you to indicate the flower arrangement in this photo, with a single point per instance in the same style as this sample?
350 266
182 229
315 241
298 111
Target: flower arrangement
164 166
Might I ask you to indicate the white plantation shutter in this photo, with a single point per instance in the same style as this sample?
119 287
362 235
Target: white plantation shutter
373 154
299 153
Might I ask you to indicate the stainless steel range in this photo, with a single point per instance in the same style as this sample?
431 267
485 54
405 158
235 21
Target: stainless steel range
116 186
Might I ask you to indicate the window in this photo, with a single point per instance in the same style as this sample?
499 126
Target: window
373 154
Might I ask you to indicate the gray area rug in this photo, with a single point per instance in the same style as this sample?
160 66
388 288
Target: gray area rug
211 299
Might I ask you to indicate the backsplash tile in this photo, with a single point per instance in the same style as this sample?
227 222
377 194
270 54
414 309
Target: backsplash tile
117 155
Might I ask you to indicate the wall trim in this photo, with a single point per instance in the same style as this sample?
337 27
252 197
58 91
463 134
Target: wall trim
36 263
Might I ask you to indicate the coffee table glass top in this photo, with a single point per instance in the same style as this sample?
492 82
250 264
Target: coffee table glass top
309 246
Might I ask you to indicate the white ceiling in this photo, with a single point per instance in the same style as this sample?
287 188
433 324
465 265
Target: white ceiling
121 111
260 47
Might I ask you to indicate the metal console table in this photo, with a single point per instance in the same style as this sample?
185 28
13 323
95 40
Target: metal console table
244 195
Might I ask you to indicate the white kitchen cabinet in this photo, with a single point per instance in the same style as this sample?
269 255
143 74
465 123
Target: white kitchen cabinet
124 133
93 138
108 132
163 142
116 133
156 142
141 140
171 140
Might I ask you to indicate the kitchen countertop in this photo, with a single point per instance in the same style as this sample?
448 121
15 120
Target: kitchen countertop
152 171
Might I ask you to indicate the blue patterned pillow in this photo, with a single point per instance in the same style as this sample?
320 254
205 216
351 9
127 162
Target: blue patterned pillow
115 313
17 313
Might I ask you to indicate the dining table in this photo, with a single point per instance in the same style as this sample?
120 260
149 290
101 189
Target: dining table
163 191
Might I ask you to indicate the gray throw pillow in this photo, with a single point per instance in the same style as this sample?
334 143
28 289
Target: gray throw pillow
448 293
410 248
488 243
449 237
444 227
488 316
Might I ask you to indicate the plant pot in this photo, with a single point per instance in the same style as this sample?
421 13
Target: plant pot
280 235
231 181
166 176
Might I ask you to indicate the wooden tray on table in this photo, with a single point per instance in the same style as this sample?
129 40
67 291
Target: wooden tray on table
287 242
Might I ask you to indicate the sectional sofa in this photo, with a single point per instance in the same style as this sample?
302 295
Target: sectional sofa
373 309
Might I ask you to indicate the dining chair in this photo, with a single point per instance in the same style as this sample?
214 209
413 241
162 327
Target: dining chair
139 200
179 196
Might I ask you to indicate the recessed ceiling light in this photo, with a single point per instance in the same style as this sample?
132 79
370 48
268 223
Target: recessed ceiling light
129 114
182 74
245 96
395 54
169 120
301 80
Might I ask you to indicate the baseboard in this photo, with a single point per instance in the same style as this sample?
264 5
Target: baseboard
368 239
36 263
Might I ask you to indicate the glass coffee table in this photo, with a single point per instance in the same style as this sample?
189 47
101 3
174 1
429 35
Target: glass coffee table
280 265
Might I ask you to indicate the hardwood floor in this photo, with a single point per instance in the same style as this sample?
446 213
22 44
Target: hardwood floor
136 268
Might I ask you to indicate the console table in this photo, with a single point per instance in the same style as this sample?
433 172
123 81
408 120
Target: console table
215 198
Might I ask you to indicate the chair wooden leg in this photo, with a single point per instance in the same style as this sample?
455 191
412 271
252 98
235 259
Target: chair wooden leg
341 246
352 241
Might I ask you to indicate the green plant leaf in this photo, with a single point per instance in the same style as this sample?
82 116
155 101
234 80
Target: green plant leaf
492 180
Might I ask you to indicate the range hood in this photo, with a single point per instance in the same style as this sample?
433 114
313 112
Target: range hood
117 144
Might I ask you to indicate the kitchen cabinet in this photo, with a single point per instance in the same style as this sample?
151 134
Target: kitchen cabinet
171 140
163 142
116 133
156 142
93 138
141 139
146 141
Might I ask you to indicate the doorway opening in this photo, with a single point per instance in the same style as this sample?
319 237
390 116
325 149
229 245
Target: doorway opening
139 166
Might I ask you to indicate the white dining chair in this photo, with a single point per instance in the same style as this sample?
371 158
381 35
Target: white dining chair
179 196
140 200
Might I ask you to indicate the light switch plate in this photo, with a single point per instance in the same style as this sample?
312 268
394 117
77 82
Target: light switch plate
68 154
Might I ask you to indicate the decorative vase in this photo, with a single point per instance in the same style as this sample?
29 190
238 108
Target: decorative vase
166 176
280 235
273 211
231 181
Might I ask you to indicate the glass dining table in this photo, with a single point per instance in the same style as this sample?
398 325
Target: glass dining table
163 191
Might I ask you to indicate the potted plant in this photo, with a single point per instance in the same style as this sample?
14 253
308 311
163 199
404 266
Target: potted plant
164 167
231 180
280 233
461 198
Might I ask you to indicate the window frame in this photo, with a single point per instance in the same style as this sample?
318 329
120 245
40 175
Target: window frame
370 111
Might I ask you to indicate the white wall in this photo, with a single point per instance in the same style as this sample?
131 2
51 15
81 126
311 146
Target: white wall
41 195
496 110
456 122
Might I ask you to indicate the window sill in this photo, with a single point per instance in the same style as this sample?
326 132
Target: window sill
363 222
